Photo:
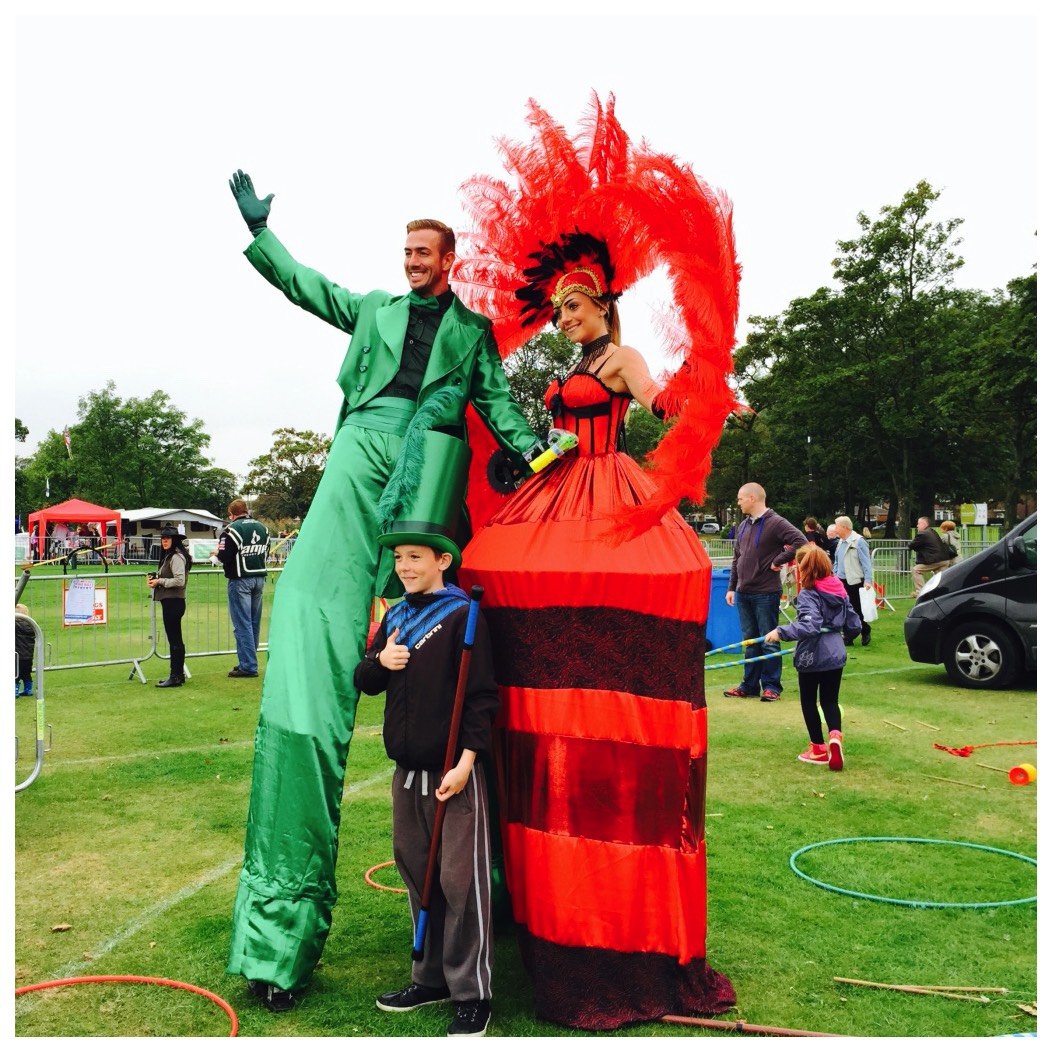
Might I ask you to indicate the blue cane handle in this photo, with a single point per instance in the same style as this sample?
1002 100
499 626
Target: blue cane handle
418 938
473 615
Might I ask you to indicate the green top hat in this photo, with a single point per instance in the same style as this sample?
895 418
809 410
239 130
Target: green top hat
421 503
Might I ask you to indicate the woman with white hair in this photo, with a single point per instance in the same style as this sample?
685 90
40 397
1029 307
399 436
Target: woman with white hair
854 567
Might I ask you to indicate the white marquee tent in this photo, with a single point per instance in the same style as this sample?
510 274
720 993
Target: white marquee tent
143 525
162 515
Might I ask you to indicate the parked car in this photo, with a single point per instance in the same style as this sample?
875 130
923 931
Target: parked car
710 526
979 616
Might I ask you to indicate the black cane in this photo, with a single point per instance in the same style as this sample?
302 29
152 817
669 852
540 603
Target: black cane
451 746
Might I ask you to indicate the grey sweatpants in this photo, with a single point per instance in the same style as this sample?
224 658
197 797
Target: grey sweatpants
458 949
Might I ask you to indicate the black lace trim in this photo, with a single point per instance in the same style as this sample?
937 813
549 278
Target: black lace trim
599 648
595 989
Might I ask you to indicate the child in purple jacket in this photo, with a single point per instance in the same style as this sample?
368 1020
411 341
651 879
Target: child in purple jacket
820 656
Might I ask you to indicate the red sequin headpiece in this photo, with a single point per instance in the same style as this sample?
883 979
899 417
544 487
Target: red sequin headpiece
581 279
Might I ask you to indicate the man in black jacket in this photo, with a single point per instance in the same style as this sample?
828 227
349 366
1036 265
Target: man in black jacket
243 552
930 557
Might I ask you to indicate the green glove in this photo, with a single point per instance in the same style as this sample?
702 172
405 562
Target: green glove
253 210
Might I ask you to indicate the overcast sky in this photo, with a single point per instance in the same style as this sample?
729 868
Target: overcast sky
128 243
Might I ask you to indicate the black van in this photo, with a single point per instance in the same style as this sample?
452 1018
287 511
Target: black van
979 616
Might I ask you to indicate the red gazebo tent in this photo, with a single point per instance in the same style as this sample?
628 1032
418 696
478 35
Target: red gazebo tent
73 511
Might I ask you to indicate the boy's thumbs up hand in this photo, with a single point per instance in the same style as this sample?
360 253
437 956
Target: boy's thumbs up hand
394 655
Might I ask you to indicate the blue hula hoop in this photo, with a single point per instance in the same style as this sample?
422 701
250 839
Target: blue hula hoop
910 902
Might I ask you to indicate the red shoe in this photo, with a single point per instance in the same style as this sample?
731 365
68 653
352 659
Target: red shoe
815 754
836 751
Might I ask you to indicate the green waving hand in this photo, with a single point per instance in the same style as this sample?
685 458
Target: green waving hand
253 210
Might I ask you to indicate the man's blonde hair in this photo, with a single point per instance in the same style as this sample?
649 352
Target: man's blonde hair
448 241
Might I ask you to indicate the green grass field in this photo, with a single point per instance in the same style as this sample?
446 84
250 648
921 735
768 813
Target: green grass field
128 845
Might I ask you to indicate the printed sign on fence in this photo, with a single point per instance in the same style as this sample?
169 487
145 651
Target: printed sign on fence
201 550
83 603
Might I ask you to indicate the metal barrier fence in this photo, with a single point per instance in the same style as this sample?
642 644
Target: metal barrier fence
127 627
131 551
892 561
38 694
128 631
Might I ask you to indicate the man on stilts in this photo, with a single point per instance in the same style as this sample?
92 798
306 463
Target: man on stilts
402 350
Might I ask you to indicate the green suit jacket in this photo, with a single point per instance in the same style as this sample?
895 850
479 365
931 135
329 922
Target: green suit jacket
464 355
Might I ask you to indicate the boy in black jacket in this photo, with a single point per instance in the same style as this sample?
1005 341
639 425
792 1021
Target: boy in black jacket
415 657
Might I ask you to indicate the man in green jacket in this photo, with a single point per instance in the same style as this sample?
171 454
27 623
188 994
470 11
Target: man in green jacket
403 349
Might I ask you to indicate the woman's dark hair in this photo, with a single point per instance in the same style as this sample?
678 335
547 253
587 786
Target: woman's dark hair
178 545
811 523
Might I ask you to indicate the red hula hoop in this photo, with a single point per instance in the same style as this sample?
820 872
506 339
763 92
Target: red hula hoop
383 887
135 979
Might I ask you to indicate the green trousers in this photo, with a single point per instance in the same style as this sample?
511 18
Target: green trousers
317 636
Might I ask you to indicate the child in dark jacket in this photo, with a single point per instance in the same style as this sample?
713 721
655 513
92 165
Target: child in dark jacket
25 644
415 657
820 656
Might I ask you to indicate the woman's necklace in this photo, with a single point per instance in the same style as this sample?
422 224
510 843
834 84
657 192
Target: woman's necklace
590 352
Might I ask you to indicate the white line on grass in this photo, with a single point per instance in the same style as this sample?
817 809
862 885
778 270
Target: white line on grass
369 782
126 931
138 923
889 671
155 754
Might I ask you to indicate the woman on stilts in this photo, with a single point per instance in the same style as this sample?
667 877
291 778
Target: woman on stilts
597 589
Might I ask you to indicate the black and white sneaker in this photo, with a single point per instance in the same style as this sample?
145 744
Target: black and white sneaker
272 997
412 997
471 1019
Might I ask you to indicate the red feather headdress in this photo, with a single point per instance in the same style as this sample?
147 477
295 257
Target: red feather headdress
618 211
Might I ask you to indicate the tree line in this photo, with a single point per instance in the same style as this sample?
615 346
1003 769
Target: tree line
891 386
888 385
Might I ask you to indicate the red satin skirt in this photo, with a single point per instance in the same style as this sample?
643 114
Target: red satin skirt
600 744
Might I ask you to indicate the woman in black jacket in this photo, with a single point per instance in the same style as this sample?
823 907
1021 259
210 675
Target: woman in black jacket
169 588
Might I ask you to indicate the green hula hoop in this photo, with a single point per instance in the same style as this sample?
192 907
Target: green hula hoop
910 902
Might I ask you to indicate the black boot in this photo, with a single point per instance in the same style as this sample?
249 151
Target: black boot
175 676
178 662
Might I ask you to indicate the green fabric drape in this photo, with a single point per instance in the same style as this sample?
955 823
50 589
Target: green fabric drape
287 889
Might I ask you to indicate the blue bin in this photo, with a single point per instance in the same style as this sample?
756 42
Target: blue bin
723 626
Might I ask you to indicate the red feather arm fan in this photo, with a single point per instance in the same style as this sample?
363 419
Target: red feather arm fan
649 210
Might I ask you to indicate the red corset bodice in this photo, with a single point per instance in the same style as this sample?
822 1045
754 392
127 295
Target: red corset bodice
584 405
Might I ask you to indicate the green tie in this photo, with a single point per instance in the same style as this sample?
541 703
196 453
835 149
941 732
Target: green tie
416 300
